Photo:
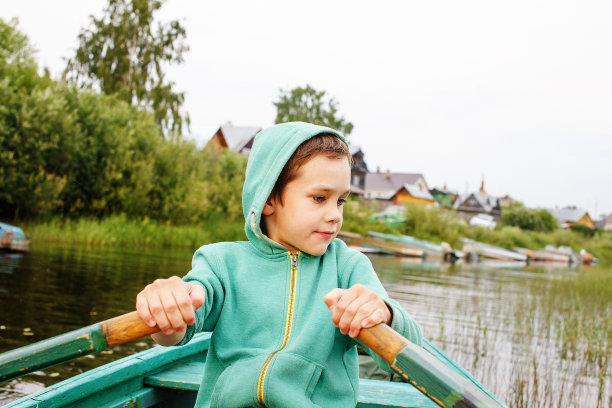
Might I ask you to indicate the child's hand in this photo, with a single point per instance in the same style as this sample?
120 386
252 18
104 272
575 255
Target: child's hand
356 308
170 303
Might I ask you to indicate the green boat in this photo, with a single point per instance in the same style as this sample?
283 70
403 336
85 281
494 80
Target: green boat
171 376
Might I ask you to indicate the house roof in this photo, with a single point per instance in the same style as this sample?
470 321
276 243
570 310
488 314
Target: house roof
603 222
486 201
237 137
443 191
416 192
569 214
380 181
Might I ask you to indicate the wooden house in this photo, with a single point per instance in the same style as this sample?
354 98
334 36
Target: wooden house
383 186
445 198
605 223
359 169
412 194
239 139
507 200
479 202
570 216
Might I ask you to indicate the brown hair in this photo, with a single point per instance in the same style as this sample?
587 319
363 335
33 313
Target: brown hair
327 144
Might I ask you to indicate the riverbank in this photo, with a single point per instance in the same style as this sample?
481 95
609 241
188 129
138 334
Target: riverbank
434 224
421 222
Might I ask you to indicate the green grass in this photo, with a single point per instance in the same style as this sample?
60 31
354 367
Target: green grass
118 230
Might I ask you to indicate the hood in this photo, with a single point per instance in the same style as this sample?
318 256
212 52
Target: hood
271 150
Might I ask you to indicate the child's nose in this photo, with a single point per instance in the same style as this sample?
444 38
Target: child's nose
334 213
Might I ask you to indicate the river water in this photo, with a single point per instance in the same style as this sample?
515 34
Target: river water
499 321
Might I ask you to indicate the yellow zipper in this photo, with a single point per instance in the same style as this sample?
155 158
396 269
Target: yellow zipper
288 322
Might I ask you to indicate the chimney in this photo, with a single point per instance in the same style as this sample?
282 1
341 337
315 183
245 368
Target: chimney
388 175
482 186
378 169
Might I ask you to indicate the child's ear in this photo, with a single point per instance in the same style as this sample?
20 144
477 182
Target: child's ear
268 207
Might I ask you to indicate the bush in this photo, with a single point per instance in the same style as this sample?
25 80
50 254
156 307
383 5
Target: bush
357 217
433 224
583 230
517 215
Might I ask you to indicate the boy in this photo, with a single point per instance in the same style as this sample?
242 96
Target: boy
268 300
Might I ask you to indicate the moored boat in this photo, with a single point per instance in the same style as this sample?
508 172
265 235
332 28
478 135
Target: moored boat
490 251
430 249
13 238
380 245
171 376
548 254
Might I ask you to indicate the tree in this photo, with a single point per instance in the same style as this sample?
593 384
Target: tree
122 54
27 139
309 105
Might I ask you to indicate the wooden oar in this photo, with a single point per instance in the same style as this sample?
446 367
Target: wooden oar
74 344
416 365
441 383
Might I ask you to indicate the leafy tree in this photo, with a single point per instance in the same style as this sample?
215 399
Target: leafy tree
31 121
73 152
122 54
309 105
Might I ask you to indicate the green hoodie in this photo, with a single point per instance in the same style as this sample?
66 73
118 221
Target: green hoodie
273 342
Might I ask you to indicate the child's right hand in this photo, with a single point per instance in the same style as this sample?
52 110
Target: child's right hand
170 303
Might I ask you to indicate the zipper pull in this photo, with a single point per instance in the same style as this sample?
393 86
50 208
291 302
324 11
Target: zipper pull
294 259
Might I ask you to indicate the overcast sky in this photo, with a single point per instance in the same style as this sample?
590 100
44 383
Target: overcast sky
519 92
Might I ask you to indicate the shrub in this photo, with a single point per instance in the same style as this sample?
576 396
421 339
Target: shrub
433 224
583 230
517 215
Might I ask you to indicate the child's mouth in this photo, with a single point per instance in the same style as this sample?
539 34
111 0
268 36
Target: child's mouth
324 235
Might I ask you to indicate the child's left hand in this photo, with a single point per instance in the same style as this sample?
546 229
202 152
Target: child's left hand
356 308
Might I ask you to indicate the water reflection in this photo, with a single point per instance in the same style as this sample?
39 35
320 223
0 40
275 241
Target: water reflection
55 289
505 323
9 261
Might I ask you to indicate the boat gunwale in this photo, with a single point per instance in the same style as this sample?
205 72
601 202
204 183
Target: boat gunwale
111 373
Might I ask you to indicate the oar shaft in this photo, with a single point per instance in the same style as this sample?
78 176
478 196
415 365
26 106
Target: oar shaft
441 383
71 345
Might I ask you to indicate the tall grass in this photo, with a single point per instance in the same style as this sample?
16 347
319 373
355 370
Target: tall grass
119 230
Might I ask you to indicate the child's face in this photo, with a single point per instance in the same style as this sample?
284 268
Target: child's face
310 216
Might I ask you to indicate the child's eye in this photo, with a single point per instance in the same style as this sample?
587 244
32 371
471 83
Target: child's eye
318 199
341 201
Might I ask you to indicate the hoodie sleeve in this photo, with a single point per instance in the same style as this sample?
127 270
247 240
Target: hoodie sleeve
358 269
203 273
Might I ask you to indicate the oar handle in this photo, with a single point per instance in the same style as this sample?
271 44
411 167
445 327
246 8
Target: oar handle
124 328
383 340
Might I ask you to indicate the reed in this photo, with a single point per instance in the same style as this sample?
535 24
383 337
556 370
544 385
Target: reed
119 230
